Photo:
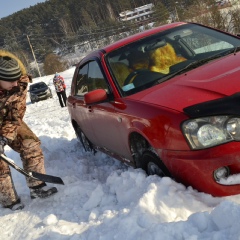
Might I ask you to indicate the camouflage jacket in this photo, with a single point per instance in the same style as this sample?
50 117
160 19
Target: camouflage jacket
12 108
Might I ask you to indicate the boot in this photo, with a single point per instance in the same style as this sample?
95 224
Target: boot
42 191
16 205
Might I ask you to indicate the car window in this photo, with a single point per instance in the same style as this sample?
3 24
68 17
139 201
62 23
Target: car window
96 79
89 78
201 42
81 81
157 58
37 86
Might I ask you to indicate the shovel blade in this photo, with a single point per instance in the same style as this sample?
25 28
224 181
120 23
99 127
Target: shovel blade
47 178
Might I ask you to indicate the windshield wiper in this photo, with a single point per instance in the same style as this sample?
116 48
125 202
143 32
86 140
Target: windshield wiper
190 66
236 49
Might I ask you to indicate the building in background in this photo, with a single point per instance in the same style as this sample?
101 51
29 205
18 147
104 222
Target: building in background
139 14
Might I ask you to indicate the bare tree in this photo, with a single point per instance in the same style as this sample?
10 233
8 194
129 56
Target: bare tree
53 63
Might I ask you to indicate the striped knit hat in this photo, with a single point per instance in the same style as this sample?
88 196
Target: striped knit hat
9 69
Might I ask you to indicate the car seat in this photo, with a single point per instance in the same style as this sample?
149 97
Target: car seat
138 60
163 58
120 71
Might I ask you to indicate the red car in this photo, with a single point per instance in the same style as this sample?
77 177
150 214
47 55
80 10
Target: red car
166 100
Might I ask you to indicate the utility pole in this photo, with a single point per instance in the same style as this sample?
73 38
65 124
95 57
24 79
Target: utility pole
176 12
34 56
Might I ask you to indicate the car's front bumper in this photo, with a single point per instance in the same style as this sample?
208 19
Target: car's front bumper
196 168
42 96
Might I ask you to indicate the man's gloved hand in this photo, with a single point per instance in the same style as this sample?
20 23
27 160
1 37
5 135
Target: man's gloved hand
3 142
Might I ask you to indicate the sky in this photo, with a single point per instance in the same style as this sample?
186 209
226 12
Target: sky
9 7
103 199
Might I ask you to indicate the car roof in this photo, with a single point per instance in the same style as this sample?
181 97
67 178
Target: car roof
140 35
38 83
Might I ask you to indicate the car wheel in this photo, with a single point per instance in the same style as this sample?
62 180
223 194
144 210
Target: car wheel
83 139
153 165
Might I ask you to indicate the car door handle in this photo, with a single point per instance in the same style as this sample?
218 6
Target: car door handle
89 108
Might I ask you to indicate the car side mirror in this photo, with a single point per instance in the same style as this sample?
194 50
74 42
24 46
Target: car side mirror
95 96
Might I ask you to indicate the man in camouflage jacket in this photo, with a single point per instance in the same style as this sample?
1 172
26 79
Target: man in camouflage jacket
15 133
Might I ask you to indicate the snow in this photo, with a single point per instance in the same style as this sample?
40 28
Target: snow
104 199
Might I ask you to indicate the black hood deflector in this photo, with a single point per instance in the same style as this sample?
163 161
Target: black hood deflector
229 105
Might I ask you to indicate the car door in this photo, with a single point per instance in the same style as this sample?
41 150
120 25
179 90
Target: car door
105 122
79 111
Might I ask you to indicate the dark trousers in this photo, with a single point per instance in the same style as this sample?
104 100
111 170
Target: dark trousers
62 98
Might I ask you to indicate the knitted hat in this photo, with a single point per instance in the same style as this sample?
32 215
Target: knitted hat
4 53
9 69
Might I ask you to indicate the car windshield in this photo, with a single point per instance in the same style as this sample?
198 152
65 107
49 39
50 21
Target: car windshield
37 86
159 57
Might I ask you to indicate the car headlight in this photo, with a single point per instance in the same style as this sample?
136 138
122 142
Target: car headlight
211 131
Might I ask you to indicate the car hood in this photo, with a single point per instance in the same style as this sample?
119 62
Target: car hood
217 79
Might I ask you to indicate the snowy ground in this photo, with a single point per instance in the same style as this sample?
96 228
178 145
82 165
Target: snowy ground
104 199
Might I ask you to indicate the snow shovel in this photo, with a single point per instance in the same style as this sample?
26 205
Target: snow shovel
33 175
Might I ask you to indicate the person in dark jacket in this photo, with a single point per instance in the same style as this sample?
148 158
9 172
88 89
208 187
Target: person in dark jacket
60 88
15 133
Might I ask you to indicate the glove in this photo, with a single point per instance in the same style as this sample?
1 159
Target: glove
3 142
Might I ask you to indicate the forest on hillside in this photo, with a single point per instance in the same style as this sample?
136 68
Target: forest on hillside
57 26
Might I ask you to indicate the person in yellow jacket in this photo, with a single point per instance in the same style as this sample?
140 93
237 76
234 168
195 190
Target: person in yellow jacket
15 133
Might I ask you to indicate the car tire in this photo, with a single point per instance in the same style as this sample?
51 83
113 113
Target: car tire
87 145
153 165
